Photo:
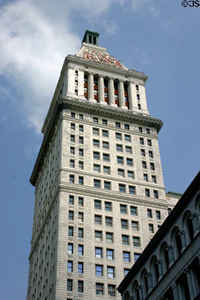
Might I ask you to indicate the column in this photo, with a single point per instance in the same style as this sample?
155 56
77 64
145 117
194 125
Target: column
131 95
143 99
81 83
111 92
191 284
70 81
91 87
175 291
121 95
101 89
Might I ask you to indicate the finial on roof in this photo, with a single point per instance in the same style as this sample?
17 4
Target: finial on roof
91 37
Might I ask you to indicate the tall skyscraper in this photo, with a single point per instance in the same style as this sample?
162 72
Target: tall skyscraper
99 191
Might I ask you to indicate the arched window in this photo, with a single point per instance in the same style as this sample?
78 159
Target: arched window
164 255
136 291
155 270
145 281
126 296
178 242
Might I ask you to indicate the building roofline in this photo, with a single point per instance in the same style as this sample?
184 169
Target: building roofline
174 194
164 229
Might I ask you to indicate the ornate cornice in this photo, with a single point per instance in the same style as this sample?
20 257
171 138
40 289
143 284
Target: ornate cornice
105 67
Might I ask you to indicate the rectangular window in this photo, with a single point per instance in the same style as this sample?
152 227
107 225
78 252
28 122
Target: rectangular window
144 164
143 152
151 228
136 256
81 129
71 215
70 248
98 252
132 189
126 126
72 163
80 216
125 239
80 267
117 124
73 126
126 271
81 164
81 152
98 219
110 272
140 129
123 209
122 188
133 211
121 172
72 150
108 206
95 120
108 221
152 166
70 231
80 286
129 161
97 204
72 115
107 185
80 233
158 215
155 193
109 237
71 178
131 174
96 143
95 131
81 140
127 137
120 160
97 183
105 145
145 177
148 130
80 250
119 147
71 199
141 141
106 169
96 155
128 149
69 285
72 138
105 133
151 154
97 168
154 180
80 116
126 256
111 290
81 180
69 266
106 157
104 122
98 235
136 241
110 254
118 136
135 225
149 142
99 288
149 213
99 270
147 192
124 224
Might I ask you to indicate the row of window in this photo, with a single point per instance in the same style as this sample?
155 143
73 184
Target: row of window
100 290
96 120
109 236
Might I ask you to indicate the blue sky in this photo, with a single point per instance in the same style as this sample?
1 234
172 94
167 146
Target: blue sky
160 38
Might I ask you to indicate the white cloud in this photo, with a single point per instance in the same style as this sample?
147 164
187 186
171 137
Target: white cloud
35 37
145 6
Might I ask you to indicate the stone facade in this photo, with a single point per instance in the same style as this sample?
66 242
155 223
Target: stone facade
99 190
169 267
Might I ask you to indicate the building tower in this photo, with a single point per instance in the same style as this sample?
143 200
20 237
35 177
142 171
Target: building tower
99 191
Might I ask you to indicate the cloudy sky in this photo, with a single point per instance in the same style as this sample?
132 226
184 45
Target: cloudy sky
160 38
